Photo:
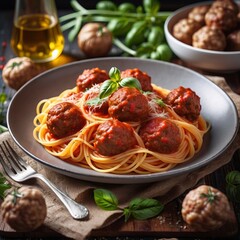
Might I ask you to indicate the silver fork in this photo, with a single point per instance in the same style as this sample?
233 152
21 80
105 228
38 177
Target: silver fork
20 171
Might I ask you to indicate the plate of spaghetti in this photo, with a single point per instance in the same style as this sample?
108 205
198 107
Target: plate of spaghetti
122 120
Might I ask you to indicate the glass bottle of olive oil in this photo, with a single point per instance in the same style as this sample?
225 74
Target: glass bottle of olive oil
36 32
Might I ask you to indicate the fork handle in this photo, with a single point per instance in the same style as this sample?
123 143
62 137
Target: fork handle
76 210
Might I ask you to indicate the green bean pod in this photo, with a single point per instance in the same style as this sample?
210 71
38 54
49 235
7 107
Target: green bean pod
156 35
127 8
119 27
136 34
106 5
165 51
151 6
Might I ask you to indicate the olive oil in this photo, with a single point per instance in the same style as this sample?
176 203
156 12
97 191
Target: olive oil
38 37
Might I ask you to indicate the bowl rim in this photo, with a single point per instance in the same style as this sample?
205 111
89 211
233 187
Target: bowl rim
168 31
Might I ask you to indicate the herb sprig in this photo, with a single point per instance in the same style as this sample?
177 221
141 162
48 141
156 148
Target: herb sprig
111 85
210 196
4 185
115 81
138 208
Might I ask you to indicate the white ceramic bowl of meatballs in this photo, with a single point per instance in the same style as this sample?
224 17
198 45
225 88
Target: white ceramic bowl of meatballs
206 35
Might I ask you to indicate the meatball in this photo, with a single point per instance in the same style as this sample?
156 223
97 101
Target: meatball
229 4
221 18
143 78
198 14
128 104
210 39
184 29
114 137
206 208
24 209
90 77
100 106
233 41
18 71
185 102
160 135
64 119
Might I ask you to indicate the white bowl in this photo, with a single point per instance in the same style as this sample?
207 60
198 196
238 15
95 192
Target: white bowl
220 61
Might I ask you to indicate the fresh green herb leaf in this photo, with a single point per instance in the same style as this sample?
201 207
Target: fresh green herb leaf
107 88
144 208
115 74
106 5
233 177
127 214
15 64
145 49
160 102
4 185
130 82
3 129
151 6
16 195
95 101
210 196
233 185
135 35
139 208
105 199
3 97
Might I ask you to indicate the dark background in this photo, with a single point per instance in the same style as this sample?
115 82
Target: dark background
166 5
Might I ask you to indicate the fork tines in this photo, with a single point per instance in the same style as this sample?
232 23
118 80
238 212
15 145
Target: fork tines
11 159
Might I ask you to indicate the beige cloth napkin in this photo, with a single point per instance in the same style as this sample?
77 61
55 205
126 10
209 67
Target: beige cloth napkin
59 219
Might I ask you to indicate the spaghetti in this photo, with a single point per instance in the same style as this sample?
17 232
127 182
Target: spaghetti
79 149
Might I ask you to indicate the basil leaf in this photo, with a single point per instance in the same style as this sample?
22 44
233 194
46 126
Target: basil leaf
145 208
105 199
130 82
4 185
160 102
233 192
3 97
106 5
119 27
115 74
144 50
233 185
107 88
151 6
127 214
135 35
233 177
95 101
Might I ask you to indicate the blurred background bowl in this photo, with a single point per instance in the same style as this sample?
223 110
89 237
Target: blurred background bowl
217 61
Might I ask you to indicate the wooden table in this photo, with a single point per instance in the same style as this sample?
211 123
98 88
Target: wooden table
170 223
